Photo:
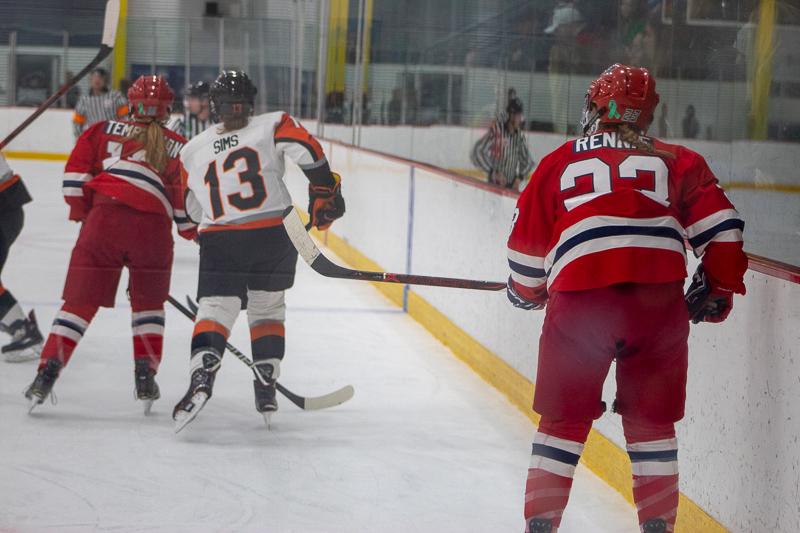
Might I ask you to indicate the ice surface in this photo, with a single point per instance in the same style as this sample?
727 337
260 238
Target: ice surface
425 445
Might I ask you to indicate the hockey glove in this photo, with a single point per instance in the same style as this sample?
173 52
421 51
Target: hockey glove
325 203
515 298
706 300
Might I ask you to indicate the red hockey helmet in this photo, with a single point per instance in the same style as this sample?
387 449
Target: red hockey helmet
151 97
623 95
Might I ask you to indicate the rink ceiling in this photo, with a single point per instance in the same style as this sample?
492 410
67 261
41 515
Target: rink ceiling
742 391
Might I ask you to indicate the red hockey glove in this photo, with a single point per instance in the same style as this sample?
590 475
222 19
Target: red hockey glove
515 298
706 300
325 203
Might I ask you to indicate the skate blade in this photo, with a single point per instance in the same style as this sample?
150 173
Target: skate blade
147 405
22 356
34 402
268 419
182 418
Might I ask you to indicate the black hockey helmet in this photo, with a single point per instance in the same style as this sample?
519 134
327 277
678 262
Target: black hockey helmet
198 89
514 106
233 95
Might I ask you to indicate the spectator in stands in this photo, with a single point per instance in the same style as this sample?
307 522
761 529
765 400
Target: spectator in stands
575 50
33 90
646 49
631 21
70 99
690 125
503 151
395 107
663 123
100 104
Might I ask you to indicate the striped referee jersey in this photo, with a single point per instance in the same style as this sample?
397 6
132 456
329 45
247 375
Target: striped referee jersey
188 125
92 109
501 150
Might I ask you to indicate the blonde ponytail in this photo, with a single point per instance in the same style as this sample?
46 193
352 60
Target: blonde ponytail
634 138
152 140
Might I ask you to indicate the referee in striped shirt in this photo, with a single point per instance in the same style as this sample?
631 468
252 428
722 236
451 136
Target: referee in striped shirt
503 152
100 104
197 113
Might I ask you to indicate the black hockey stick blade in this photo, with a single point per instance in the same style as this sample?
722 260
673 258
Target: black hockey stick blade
312 255
307 403
107 44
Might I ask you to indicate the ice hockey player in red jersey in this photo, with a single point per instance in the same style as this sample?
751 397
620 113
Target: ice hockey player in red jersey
233 177
26 340
598 238
122 183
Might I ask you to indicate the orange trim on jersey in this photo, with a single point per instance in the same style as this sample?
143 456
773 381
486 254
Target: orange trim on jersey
209 326
9 183
268 329
184 177
123 110
78 119
256 224
288 129
2 289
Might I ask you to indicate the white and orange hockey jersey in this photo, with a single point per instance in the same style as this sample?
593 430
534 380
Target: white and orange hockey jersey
234 180
598 212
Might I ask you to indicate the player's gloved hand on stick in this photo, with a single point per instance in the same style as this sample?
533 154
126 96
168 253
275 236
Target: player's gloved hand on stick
325 203
515 298
706 300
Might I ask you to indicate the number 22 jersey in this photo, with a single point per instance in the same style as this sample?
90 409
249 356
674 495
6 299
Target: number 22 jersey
234 180
598 212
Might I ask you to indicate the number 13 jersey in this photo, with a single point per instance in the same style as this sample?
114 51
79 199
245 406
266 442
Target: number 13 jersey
234 179
598 212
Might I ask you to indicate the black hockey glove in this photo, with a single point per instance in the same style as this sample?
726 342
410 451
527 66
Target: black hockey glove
325 204
706 301
520 302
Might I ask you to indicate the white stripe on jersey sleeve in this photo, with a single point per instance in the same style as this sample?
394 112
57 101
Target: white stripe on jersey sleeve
710 221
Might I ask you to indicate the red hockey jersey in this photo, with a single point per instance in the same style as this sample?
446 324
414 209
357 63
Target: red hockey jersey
598 212
105 161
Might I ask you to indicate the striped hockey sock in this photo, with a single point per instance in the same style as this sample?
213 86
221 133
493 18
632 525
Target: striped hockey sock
268 341
68 328
654 462
148 336
557 449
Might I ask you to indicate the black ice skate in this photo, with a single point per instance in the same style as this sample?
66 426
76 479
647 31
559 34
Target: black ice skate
655 525
265 394
540 525
26 340
146 387
200 388
42 385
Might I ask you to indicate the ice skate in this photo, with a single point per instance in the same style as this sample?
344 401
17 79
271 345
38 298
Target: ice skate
655 525
42 385
26 341
540 525
266 401
146 387
200 388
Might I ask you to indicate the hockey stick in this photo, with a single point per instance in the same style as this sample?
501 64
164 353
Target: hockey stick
307 403
109 34
322 265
